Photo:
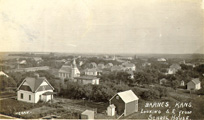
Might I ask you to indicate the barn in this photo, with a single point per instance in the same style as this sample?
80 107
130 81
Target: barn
126 102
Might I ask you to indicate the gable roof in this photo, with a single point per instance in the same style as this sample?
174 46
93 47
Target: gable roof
129 65
117 68
175 66
37 58
93 70
196 81
65 68
34 83
127 96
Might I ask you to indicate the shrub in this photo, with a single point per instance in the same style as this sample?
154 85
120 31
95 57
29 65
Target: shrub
150 94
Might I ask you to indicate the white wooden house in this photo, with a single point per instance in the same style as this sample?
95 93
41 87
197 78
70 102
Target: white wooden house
87 80
194 84
34 89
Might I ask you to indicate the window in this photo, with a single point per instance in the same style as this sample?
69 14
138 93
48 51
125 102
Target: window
40 97
117 97
29 97
21 95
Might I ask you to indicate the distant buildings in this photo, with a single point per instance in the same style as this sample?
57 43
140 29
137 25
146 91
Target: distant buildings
87 80
117 68
126 102
92 65
163 81
109 65
101 66
34 89
69 72
38 59
194 84
30 69
130 66
93 71
161 60
174 68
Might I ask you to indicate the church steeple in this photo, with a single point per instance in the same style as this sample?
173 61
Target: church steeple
74 63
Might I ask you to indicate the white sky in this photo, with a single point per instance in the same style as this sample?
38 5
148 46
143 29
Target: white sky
102 26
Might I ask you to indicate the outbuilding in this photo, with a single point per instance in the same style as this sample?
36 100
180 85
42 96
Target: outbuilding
126 102
194 84
87 114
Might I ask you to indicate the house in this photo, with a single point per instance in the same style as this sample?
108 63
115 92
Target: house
92 65
126 102
131 74
194 84
34 89
163 81
23 62
38 59
117 68
161 60
146 64
3 74
93 71
182 83
30 69
130 66
101 66
88 115
68 72
109 65
174 68
87 80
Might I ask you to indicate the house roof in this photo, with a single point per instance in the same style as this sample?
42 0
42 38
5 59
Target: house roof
3 74
37 58
196 81
130 72
175 66
88 112
129 65
66 69
109 64
116 68
93 70
163 79
127 96
34 83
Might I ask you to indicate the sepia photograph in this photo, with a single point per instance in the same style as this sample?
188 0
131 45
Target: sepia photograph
102 59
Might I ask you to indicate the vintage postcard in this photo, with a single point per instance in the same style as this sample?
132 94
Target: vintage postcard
102 59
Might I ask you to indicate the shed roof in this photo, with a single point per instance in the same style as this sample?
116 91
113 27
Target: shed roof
88 112
66 69
128 96
196 81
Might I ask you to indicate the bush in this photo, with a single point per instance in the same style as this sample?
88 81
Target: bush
200 92
151 94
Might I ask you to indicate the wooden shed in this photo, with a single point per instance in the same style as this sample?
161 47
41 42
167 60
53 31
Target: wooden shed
87 114
126 102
